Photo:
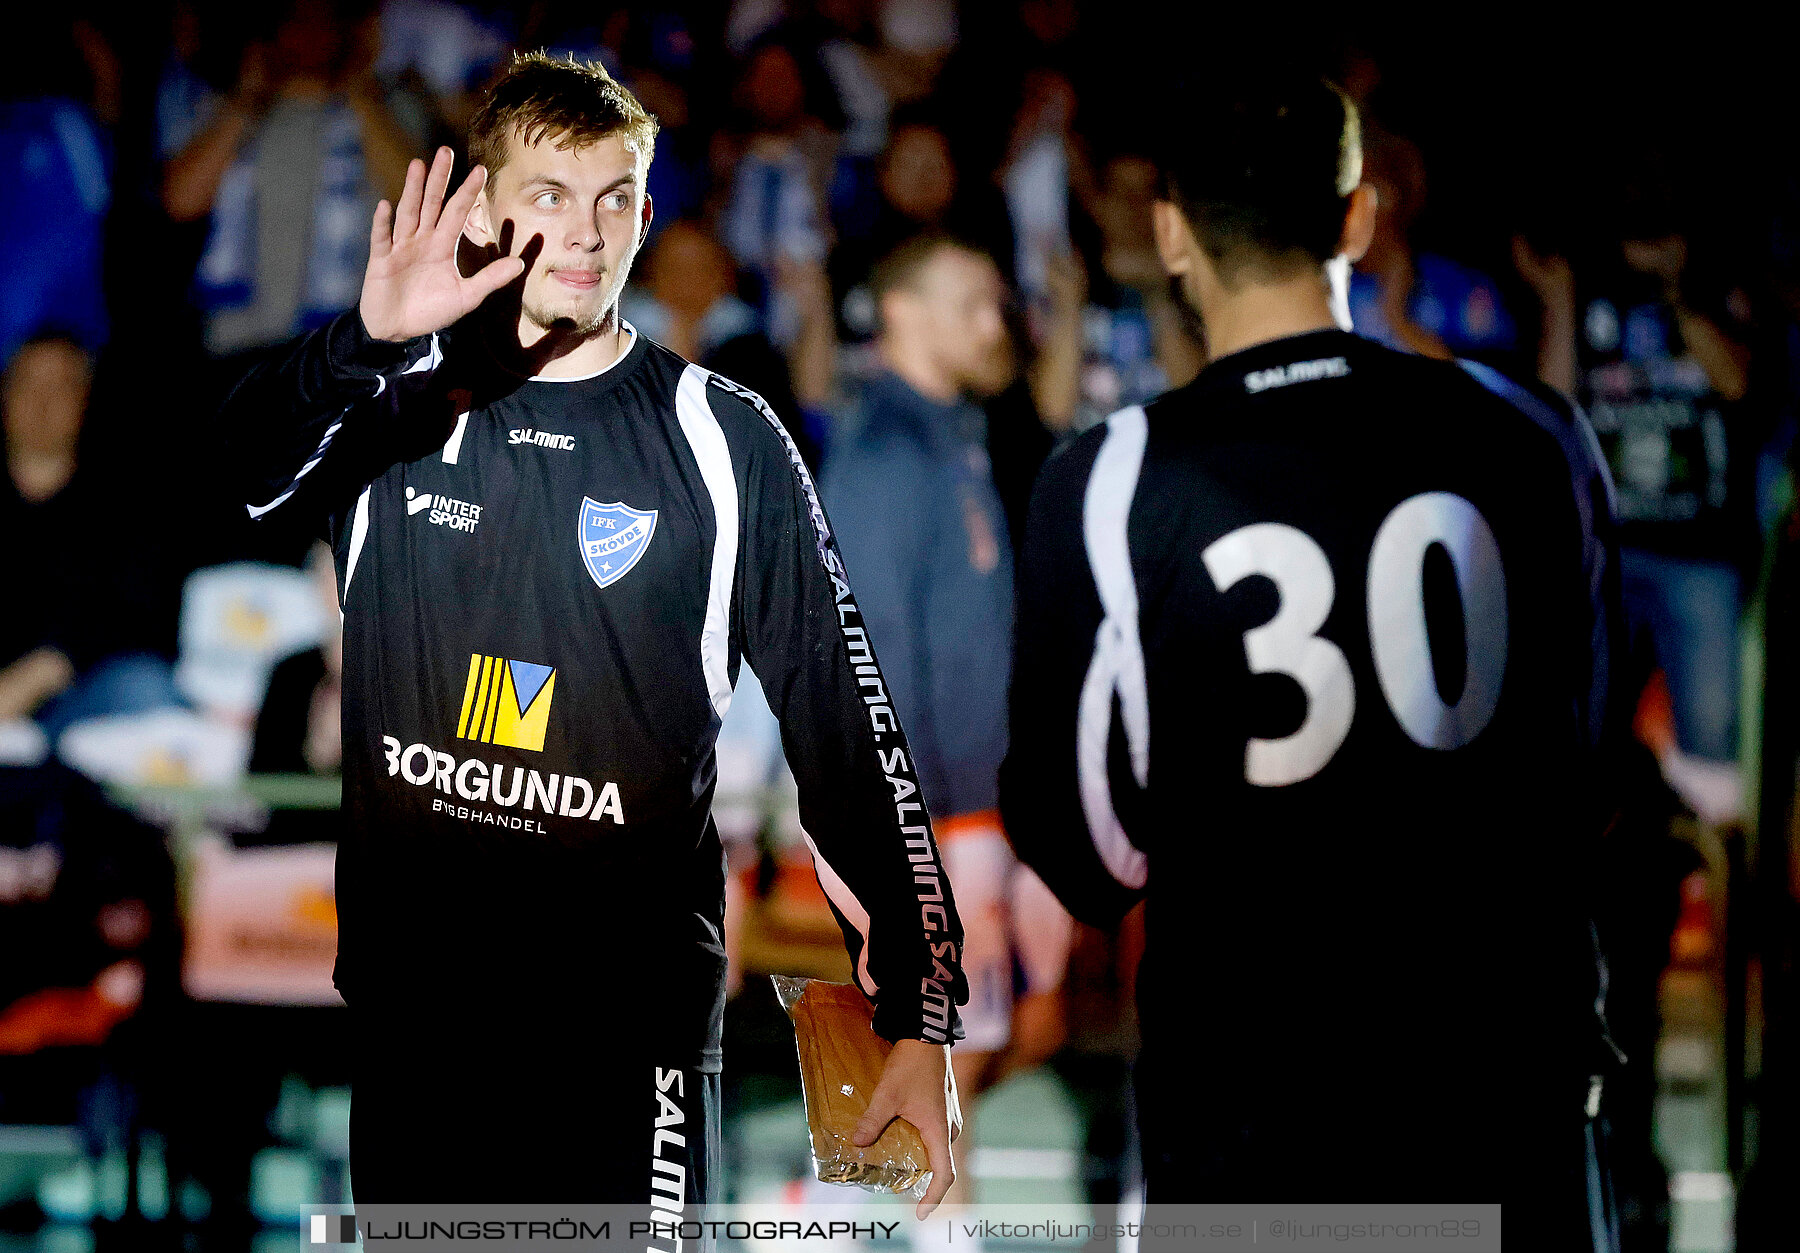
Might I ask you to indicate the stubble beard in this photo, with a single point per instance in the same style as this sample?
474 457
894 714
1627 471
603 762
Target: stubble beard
603 318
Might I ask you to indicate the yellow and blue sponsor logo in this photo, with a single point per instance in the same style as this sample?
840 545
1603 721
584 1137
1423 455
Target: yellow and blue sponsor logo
506 702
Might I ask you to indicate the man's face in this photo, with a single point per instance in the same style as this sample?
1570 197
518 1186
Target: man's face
689 270
772 88
588 207
917 176
1128 190
46 397
957 308
311 39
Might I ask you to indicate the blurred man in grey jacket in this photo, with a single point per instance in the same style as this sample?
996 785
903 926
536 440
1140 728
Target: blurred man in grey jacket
911 493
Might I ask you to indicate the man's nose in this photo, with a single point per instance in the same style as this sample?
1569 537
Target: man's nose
586 236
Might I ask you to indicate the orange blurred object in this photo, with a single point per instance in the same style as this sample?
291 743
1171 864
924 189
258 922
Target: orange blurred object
792 930
1654 722
72 1016
1693 939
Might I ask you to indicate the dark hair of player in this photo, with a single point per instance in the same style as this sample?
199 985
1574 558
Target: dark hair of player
577 102
1263 173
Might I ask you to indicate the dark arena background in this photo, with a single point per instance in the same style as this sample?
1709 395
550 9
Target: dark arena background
185 185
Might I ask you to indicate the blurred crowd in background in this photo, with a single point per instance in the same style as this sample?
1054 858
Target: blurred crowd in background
921 230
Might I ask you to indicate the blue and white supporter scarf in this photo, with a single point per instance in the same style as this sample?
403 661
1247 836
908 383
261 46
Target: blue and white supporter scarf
338 244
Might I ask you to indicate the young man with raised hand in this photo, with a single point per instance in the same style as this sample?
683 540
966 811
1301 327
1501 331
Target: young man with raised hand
556 543
1313 656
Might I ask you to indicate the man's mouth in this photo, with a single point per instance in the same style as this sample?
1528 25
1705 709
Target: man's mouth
578 280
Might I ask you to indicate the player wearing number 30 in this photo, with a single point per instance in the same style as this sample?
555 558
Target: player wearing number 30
1312 656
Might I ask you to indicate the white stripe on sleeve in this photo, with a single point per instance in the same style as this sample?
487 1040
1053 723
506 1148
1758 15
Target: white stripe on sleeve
430 361
707 441
359 534
257 511
1117 667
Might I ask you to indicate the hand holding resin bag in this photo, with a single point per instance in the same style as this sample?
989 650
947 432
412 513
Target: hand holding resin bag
841 1060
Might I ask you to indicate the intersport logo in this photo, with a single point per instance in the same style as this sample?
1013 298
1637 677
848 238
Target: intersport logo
458 515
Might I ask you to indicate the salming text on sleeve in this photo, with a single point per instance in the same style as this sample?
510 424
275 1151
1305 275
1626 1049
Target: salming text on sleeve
860 802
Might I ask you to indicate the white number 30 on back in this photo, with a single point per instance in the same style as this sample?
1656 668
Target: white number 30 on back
1289 644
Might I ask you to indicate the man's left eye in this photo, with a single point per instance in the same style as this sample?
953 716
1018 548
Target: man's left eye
617 202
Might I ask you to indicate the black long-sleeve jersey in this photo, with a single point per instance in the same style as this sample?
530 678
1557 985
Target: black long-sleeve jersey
547 588
1312 654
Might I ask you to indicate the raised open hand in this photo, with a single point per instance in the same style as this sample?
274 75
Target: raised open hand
412 286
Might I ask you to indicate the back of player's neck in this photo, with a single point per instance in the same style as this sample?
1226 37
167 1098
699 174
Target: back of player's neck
1259 313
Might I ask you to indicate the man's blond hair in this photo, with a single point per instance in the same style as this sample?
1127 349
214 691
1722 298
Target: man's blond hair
574 103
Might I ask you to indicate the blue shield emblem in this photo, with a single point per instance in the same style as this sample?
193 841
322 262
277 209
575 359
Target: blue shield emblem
613 537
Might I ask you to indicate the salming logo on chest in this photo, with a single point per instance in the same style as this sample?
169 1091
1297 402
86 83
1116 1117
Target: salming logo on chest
540 439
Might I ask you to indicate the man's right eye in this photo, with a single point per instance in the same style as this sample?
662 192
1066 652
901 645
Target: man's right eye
547 200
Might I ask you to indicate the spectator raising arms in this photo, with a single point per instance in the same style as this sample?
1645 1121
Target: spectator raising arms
286 166
775 173
1413 300
918 190
1655 349
55 190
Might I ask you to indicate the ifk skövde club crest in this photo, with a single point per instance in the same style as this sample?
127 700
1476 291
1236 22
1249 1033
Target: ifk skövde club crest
613 537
